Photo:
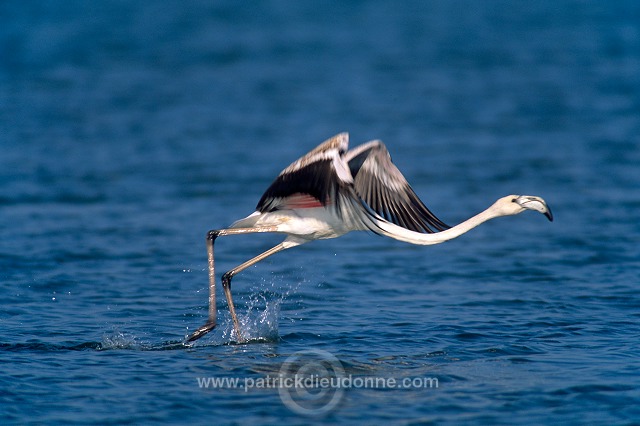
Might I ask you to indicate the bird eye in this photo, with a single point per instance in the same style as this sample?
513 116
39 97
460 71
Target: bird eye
513 200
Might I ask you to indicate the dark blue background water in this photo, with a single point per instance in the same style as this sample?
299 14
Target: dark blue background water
128 129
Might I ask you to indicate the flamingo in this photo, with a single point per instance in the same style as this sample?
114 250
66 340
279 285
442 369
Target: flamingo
332 191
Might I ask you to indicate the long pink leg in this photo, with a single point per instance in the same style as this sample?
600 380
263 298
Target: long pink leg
226 279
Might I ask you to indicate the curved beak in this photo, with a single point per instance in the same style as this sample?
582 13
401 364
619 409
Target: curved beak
531 202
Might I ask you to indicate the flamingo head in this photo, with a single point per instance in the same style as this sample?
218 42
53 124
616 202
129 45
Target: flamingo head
515 204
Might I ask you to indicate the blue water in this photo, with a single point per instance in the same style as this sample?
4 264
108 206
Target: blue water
129 128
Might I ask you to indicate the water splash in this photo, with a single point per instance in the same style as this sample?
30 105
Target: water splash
119 340
259 317
124 340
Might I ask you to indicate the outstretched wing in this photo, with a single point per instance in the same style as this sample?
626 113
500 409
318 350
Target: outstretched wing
312 181
379 183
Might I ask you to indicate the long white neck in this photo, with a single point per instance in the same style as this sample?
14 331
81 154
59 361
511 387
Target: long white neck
399 233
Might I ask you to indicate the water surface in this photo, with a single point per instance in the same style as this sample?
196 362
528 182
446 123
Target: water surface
128 130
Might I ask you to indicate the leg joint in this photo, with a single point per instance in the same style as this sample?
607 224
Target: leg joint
226 279
213 234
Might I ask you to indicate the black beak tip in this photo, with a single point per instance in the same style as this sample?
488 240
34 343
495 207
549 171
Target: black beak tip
549 215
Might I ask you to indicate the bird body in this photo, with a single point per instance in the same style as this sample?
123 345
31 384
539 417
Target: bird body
332 191
301 224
